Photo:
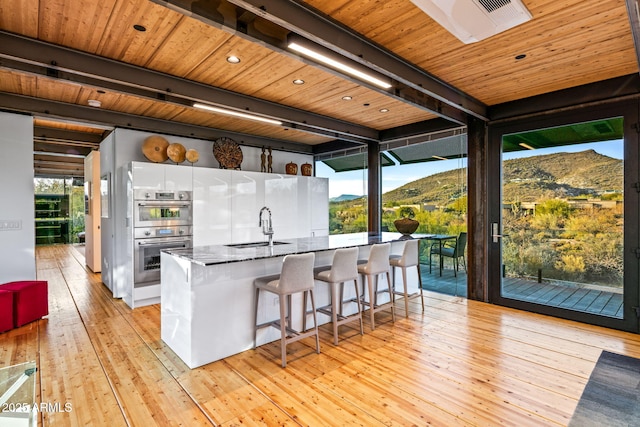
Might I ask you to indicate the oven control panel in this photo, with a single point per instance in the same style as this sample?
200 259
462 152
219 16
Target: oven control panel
145 194
156 232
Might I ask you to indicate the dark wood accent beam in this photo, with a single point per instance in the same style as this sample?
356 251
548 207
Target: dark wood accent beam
477 225
374 196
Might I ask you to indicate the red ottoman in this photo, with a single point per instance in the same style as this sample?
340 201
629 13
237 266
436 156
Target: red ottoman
30 300
6 310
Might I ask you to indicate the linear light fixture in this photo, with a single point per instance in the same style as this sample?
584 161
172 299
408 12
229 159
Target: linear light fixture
439 158
527 146
237 114
338 65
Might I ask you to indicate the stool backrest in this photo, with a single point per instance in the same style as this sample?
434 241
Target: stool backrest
410 253
378 258
297 273
344 265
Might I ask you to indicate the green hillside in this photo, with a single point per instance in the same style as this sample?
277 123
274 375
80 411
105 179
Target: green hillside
559 175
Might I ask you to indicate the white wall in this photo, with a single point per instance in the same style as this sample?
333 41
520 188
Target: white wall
17 230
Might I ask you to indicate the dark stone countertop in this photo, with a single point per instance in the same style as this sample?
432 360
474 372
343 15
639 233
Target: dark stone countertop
223 254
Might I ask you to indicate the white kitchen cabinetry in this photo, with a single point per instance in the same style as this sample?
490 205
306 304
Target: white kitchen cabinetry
227 204
178 178
281 197
319 205
161 177
247 198
212 206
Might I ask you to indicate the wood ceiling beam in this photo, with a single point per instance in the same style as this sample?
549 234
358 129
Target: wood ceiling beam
575 97
41 58
61 110
67 135
448 102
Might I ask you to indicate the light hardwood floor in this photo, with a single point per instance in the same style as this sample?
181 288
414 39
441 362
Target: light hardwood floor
460 363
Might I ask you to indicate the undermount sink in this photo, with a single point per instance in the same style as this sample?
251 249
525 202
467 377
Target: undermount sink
254 244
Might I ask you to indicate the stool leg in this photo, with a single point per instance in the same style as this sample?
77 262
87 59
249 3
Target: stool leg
283 330
393 281
334 310
393 306
420 284
371 300
315 321
255 312
304 311
289 316
406 292
355 282
342 298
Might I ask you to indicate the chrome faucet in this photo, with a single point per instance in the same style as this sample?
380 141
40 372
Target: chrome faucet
267 228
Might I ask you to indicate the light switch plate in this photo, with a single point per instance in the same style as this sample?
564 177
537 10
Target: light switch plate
10 224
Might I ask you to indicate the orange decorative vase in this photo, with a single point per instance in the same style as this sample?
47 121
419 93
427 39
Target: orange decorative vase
291 168
306 169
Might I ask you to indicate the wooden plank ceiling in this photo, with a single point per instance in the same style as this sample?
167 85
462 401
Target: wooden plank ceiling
568 43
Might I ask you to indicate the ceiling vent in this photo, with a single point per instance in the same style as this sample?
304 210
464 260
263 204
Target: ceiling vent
475 20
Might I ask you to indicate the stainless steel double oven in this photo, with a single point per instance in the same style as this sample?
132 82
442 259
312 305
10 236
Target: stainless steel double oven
162 220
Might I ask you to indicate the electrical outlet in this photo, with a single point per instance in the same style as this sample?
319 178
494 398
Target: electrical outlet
10 225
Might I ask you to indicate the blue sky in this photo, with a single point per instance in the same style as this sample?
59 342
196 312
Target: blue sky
354 182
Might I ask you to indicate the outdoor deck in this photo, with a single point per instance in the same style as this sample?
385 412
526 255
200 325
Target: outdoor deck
569 296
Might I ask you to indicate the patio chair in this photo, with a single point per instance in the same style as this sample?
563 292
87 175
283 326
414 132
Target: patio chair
451 250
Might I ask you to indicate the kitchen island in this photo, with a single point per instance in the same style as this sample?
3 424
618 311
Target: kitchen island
207 293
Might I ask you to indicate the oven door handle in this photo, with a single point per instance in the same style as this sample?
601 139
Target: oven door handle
164 204
157 242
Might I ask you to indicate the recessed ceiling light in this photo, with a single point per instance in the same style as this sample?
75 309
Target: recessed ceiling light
347 98
298 82
140 28
384 110
521 56
94 103
233 59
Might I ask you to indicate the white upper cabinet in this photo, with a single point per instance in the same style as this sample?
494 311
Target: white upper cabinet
227 203
319 196
147 175
247 198
162 177
212 206
281 197
178 178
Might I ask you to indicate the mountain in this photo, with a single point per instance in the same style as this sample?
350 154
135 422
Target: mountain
344 197
558 175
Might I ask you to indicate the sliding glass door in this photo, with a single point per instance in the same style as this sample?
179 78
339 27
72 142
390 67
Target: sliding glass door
564 228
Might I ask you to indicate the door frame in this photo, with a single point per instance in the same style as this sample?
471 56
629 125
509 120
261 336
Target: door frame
630 111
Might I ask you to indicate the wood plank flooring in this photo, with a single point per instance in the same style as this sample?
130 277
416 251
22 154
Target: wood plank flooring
460 363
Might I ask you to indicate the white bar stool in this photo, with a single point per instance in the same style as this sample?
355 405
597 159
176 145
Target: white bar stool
410 258
296 277
344 268
377 264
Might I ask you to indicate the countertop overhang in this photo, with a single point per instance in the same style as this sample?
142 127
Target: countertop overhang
221 254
